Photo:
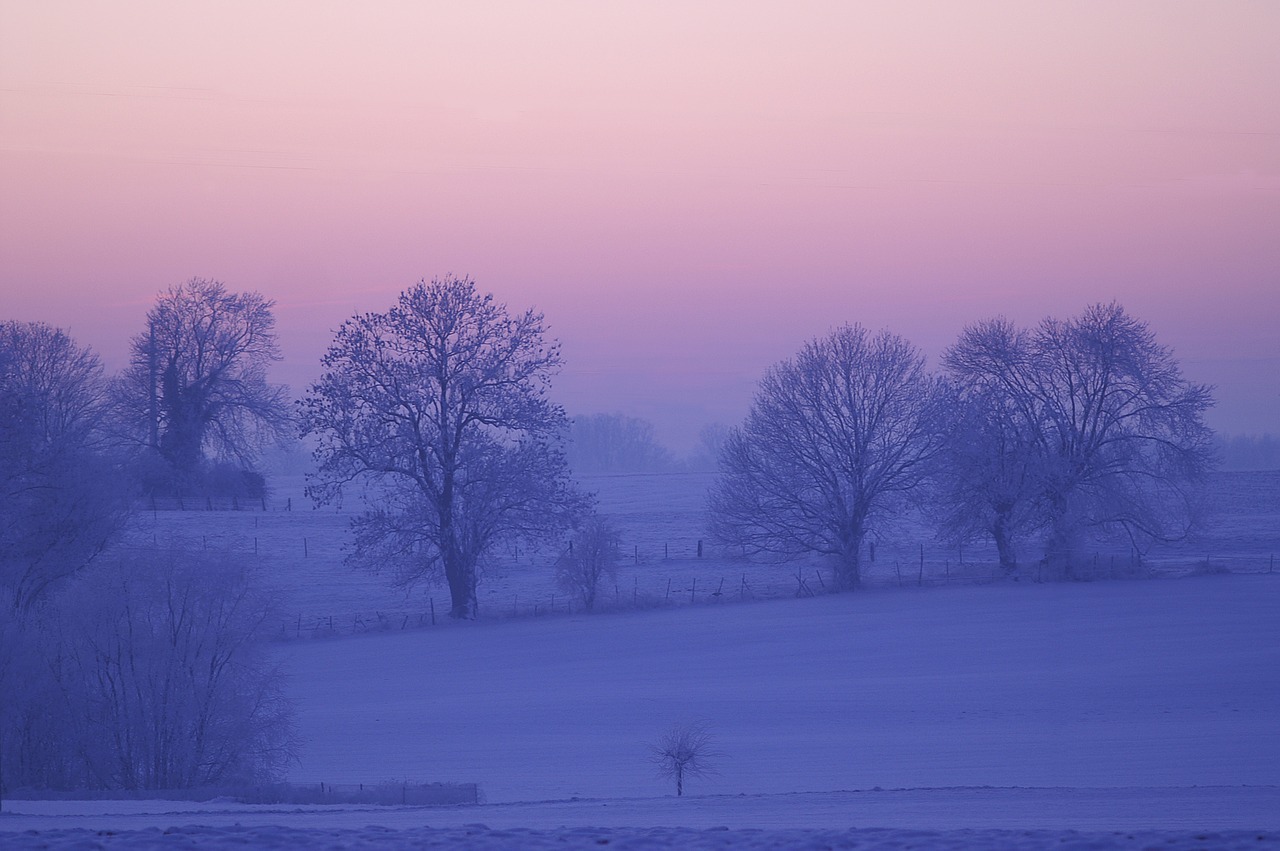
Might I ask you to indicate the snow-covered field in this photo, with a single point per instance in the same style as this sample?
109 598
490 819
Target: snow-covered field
1110 714
1129 706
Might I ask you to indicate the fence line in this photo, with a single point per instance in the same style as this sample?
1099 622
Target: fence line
798 581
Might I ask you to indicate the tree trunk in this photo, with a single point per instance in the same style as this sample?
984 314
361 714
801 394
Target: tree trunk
849 570
1004 544
462 591
1062 547
183 438
849 562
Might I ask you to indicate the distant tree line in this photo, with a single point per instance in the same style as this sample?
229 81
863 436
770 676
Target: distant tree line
1247 452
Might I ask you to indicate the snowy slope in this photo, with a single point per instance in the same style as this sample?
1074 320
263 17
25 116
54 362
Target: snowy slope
1110 684
1108 715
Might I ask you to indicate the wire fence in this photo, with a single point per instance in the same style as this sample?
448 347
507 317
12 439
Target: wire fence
764 582
664 562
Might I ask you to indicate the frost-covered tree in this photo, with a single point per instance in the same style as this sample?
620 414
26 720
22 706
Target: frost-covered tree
590 558
686 750
987 478
441 404
837 438
62 498
1101 420
197 382
149 672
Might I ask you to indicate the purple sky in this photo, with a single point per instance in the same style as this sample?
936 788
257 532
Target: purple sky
689 191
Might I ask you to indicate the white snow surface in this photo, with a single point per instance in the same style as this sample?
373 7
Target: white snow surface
1120 714
1141 683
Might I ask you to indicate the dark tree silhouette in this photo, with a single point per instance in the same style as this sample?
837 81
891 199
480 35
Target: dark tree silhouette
61 490
684 751
1101 422
197 379
988 482
152 672
441 403
836 439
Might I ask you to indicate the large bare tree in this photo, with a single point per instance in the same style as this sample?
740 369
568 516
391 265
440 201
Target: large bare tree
836 438
62 495
1104 427
197 379
441 403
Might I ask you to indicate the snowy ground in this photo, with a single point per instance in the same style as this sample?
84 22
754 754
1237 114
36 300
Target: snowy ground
1206 817
1111 714
1141 683
1107 707
484 838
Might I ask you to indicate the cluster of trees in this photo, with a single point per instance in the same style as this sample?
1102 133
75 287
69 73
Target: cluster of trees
137 670
439 410
1073 428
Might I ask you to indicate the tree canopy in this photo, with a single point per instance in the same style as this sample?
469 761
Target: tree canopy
836 438
441 404
1096 423
197 379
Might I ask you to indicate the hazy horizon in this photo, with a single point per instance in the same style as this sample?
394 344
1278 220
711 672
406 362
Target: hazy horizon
688 193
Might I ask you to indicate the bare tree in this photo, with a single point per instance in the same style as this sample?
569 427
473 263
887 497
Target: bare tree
590 559
836 439
62 490
686 750
988 477
441 403
1111 433
197 379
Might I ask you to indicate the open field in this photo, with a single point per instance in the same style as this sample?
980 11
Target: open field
938 711
1151 708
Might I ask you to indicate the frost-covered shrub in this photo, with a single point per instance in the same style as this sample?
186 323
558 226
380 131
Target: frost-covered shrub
590 559
150 673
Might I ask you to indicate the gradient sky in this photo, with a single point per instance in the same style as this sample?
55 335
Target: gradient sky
689 191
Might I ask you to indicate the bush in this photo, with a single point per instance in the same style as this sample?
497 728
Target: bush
149 673
592 557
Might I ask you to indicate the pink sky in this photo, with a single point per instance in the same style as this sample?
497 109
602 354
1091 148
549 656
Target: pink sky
689 191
